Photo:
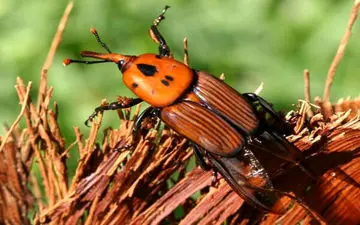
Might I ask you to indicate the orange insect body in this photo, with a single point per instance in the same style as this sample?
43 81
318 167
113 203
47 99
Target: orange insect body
159 81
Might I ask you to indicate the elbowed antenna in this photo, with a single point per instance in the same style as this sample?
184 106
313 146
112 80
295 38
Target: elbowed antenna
68 61
106 57
98 39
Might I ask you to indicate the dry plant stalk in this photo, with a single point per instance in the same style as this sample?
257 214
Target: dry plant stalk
143 178
326 105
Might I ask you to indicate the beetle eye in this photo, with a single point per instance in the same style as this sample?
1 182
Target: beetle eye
120 64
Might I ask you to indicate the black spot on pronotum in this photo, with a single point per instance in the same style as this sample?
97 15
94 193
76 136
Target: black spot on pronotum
168 77
165 82
134 85
146 69
158 56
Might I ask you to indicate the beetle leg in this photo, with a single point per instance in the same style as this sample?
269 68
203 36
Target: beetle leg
297 159
201 161
149 112
156 36
279 124
200 158
121 103
265 104
214 179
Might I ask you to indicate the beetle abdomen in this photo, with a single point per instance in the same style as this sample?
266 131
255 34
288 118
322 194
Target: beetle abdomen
227 101
203 127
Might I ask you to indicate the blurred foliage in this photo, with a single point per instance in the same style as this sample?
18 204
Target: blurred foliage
251 41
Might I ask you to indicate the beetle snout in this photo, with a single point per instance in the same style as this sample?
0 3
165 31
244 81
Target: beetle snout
110 57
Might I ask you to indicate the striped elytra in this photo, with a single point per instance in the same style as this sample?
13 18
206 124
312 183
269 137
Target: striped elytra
203 127
227 101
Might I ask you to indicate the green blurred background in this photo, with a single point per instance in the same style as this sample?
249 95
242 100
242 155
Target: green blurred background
251 41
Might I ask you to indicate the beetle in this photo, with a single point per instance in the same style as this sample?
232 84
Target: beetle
222 124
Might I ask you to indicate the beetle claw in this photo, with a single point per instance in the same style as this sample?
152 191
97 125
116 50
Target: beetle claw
91 118
86 123
214 179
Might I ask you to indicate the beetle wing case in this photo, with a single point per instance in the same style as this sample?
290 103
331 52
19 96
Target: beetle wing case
240 112
203 127
228 102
